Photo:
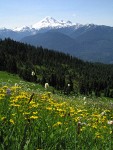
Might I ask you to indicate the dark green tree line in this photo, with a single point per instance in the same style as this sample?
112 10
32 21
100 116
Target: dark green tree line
56 68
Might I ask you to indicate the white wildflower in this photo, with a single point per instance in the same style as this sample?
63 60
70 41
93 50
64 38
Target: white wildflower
84 98
16 84
46 85
32 73
103 113
110 122
68 85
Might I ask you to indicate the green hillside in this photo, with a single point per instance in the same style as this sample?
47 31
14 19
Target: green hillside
12 79
57 69
32 118
8 77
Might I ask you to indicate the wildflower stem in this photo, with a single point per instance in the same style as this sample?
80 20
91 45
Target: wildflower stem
31 98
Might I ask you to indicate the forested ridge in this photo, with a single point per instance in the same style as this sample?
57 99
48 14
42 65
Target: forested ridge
56 68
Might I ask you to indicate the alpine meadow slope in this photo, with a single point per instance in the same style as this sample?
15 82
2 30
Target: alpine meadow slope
33 118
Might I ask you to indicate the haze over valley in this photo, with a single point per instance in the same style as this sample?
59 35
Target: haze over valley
89 42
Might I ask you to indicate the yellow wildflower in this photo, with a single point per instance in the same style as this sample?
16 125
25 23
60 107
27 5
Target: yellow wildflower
15 105
34 117
98 135
11 121
35 113
3 118
49 108
57 124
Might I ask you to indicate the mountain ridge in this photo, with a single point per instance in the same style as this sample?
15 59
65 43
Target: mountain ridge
90 42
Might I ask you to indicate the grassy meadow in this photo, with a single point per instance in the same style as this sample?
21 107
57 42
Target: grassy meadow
32 118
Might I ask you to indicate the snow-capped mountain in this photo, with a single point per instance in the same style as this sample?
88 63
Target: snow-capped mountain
51 23
22 29
44 25
47 22
89 42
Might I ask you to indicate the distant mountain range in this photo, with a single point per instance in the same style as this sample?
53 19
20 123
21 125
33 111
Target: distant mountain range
89 42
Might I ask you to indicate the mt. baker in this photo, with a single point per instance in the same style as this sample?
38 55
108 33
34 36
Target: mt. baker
47 22
89 42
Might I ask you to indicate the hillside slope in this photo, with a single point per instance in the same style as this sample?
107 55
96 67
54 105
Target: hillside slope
91 43
56 68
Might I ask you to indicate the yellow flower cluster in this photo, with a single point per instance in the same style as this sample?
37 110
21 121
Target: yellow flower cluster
56 112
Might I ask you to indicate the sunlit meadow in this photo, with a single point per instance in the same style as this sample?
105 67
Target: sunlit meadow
34 119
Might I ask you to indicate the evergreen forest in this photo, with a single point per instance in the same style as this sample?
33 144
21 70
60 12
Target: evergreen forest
57 69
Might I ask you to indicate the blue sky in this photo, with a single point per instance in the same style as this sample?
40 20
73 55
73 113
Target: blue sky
16 13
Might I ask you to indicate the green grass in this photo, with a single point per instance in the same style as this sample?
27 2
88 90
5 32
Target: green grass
11 79
49 121
7 77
